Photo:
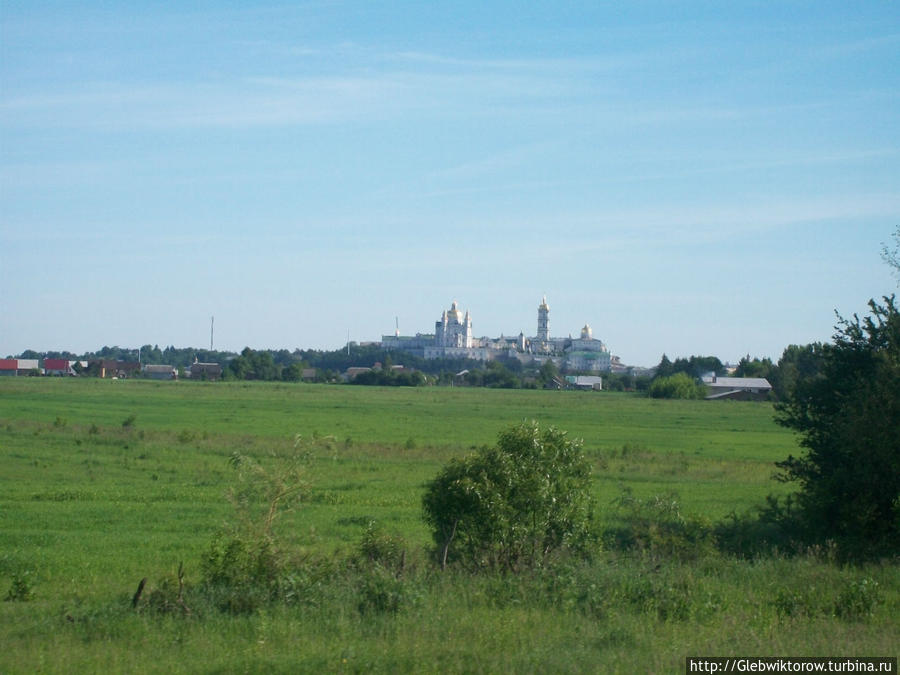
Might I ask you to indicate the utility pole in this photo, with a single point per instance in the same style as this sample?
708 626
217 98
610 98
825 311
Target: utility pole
212 321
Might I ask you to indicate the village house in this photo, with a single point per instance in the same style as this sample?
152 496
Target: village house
205 371
160 372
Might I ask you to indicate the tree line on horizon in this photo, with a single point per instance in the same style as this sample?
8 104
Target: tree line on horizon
797 361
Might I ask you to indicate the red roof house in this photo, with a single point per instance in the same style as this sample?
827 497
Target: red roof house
56 366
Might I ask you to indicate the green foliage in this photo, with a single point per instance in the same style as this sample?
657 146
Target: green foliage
380 591
379 547
128 422
847 419
253 365
656 528
387 377
858 599
679 385
754 367
245 566
293 372
514 505
853 599
21 589
547 373
333 609
498 376
263 494
797 367
694 367
772 529
241 573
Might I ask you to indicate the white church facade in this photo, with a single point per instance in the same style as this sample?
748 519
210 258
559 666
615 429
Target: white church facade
453 338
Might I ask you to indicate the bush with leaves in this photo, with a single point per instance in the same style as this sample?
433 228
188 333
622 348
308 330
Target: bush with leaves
244 565
514 505
848 419
679 385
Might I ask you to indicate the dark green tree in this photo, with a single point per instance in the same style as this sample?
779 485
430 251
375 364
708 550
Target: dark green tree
547 373
797 364
664 369
848 419
293 372
754 367
498 376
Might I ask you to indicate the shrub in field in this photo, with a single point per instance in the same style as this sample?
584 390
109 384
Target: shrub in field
241 573
21 589
244 566
514 505
380 591
379 547
655 527
852 600
858 599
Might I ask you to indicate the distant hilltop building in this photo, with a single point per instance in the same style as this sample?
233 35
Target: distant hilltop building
452 331
543 332
453 338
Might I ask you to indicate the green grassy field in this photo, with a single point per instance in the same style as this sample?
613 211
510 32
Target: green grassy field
106 482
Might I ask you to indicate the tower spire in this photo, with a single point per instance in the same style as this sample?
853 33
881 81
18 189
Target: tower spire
543 322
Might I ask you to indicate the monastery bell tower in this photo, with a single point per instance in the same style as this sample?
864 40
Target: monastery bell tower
543 331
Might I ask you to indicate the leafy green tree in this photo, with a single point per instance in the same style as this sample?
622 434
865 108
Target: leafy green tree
514 505
253 365
548 372
679 385
151 354
849 423
796 365
240 366
498 376
293 372
754 367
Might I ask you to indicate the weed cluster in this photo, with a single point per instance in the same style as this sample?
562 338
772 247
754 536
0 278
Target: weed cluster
851 600
21 589
656 528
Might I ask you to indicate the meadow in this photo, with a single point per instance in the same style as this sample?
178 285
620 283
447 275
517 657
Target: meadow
107 482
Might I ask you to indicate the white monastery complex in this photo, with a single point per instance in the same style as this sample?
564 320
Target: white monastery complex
453 338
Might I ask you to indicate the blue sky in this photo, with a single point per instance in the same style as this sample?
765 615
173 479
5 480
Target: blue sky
688 178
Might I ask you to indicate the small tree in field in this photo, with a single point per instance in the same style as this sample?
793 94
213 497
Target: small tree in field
848 418
513 505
